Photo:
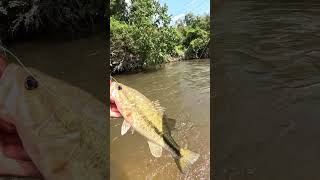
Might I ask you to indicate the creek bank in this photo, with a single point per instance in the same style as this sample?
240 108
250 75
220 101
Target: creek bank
122 67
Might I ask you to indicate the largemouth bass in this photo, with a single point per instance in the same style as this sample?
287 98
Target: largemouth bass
62 128
148 119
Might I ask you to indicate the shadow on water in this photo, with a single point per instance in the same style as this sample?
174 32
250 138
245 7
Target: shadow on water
183 89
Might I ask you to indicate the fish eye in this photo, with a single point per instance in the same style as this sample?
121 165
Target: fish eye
30 83
119 88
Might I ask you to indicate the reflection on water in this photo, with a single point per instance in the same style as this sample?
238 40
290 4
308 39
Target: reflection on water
183 89
268 70
78 62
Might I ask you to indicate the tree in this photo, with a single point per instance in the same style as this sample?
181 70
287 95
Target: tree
196 34
141 35
149 38
18 17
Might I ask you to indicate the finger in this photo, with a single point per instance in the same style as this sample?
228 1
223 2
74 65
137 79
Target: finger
10 138
15 151
29 169
115 114
7 127
11 146
13 167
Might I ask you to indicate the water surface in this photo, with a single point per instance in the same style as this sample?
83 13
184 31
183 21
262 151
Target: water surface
267 80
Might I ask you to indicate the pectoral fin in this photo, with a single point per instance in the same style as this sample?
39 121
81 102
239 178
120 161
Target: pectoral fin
155 149
125 127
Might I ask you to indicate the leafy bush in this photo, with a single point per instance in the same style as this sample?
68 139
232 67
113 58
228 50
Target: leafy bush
141 37
179 51
23 17
196 36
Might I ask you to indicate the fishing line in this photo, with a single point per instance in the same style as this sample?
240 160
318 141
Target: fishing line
114 79
205 48
26 69
3 51
196 6
17 59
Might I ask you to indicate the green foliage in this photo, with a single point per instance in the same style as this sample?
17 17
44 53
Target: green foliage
118 10
179 51
141 35
22 17
122 46
196 35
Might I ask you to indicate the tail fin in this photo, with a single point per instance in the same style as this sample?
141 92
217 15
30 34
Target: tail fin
186 160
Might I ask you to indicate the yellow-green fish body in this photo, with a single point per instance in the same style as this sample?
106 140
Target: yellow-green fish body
148 118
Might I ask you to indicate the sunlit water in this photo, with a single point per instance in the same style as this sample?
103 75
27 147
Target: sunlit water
183 89
267 105
80 62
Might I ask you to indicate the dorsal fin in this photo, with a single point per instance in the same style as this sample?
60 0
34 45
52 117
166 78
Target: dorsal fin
157 105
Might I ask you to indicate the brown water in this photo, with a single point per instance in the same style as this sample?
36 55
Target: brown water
81 63
267 100
183 88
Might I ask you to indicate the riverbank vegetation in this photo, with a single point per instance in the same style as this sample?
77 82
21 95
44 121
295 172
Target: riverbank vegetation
142 36
63 18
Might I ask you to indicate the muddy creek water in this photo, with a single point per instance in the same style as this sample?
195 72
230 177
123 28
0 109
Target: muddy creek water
183 88
266 121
